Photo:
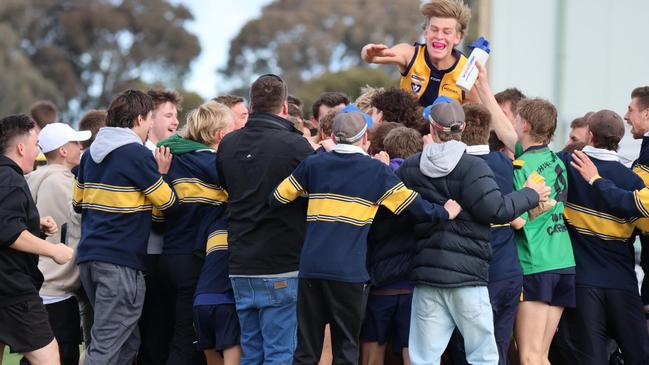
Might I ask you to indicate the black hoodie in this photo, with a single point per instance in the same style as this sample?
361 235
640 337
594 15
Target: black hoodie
20 278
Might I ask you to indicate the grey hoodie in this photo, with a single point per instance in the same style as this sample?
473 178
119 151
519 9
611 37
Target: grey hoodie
439 159
109 139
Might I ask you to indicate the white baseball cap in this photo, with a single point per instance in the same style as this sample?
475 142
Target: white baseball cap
55 135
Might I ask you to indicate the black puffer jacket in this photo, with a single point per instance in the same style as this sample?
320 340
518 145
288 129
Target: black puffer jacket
456 253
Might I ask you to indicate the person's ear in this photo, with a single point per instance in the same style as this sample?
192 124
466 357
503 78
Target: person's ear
20 149
219 135
139 120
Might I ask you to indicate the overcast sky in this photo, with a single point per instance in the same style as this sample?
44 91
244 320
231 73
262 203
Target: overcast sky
215 24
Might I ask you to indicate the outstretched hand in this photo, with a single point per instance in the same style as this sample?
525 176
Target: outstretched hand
370 51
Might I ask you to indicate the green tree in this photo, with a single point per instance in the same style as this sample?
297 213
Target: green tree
301 39
22 83
349 81
91 49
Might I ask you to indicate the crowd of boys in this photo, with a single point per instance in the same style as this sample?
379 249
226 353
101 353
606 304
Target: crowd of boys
427 219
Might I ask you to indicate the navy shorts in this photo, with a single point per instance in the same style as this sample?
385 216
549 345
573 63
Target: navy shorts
217 327
387 317
553 288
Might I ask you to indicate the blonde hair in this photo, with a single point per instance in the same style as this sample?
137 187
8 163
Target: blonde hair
455 9
364 101
204 121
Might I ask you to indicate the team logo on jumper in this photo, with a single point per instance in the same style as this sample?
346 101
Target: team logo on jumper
415 87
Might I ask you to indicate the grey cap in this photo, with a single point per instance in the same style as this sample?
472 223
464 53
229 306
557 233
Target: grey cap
605 124
349 127
447 116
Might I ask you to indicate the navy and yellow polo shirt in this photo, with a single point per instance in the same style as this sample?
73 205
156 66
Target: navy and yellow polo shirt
345 191
194 178
600 237
116 198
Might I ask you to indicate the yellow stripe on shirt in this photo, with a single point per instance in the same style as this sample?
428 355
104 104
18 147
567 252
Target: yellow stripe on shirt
288 190
217 241
642 171
602 225
642 201
160 194
326 207
195 190
398 198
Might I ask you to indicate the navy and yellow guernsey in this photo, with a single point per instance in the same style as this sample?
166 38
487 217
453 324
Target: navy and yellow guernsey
194 178
345 188
116 197
601 239
427 82
213 285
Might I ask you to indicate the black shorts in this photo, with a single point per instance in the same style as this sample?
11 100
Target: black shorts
217 327
25 326
550 287
387 317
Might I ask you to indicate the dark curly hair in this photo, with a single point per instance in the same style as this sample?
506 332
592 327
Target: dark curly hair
398 106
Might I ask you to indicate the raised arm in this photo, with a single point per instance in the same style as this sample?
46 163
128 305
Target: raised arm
503 127
398 55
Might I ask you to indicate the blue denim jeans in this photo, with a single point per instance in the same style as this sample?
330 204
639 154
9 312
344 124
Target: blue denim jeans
435 314
267 314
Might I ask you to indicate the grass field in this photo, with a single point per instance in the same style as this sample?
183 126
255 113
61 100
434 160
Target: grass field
10 359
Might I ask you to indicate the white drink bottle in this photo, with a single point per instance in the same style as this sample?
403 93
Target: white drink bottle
469 73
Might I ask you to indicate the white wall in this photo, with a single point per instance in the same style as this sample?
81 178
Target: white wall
583 55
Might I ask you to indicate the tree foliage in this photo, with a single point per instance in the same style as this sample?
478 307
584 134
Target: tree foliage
301 39
85 51
348 81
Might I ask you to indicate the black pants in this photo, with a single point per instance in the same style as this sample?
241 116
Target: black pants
65 322
179 275
87 314
602 314
154 327
342 305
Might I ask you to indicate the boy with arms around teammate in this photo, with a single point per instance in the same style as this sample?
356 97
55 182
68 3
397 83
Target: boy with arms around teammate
332 285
